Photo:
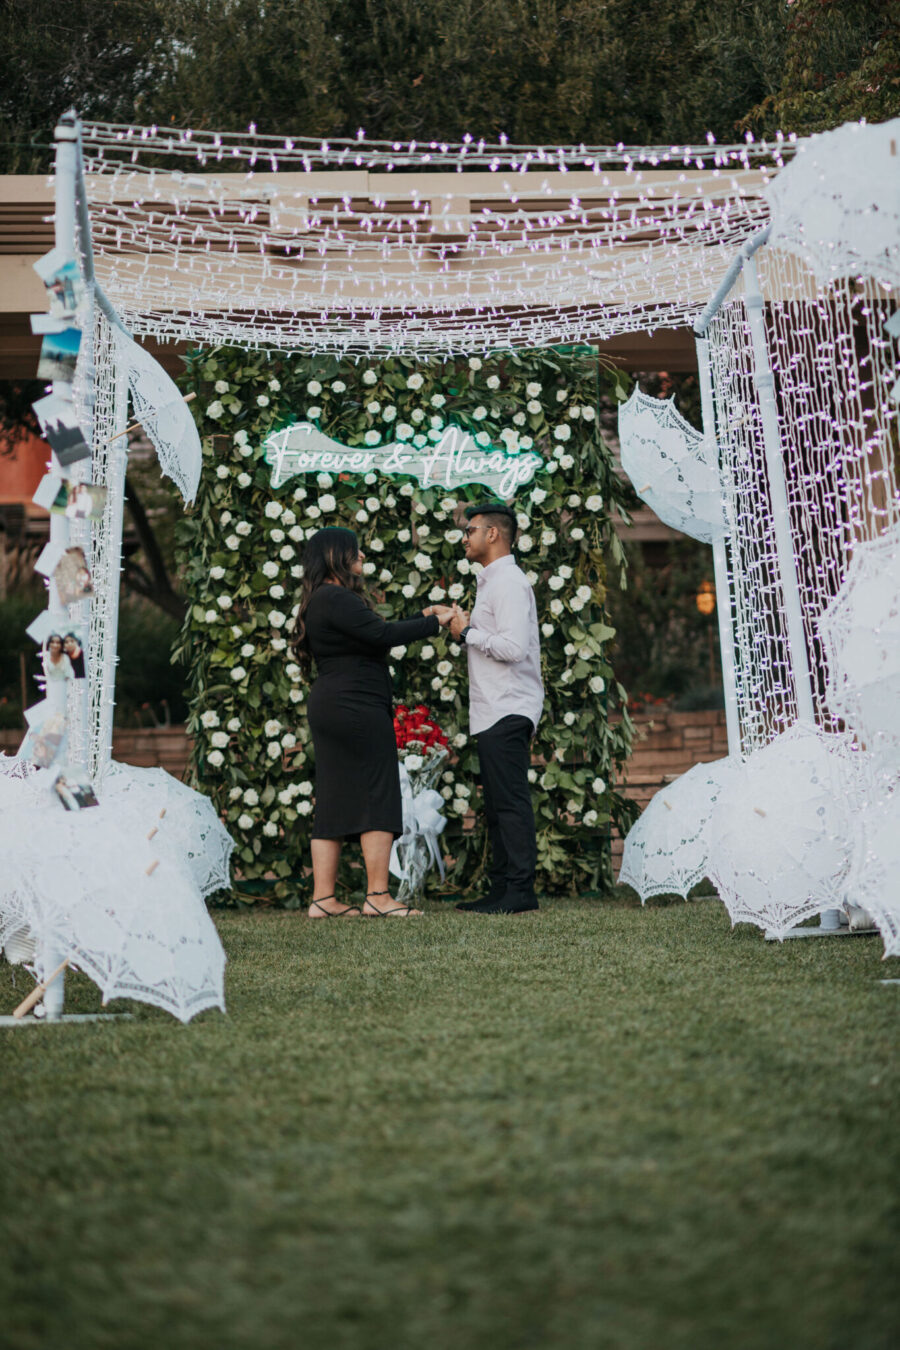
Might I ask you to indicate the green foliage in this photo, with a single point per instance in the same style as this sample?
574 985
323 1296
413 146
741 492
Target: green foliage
240 552
148 686
16 613
841 64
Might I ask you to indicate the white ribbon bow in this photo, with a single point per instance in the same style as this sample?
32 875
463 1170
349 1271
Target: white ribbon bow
422 820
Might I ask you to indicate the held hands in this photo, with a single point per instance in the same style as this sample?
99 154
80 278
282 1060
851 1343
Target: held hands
458 621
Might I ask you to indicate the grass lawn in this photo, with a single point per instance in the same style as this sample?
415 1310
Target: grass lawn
598 1127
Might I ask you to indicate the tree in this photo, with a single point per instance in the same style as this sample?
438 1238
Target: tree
841 64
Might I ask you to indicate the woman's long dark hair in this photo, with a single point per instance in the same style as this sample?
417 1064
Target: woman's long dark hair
328 556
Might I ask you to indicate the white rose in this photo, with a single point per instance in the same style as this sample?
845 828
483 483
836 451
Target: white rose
459 740
273 750
482 439
295 695
275 385
574 412
443 667
456 590
593 503
234 724
339 387
437 400
415 381
244 480
326 503
556 583
474 363
422 562
566 461
270 570
289 740
300 494
573 499
533 406
417 415
373 407
221 386
368 568
215 410
276 618
464 566
597 684
222 471
408 591
248 649
314 388
362 516
577 533
493 382
244 528
588 413
238 673
556 607
519 419
286 797
224 602
219 739
525 543
538 495
263 400
562 395
313 413
272 728
563 432
531 578
324 480
292 670
547 629
427 652
403 536
270 828
419 441
389 413
548 537
278 644
384 576
216 573
224 518
286 553
234 794
304 808
296 533
404 431
599 786
209 719
215 758
480 413
525 442
313 512
436 593
369 377
447 695
589 818
274 510
453 536
376 545
584 592
577 603
372 437
245 822
569 719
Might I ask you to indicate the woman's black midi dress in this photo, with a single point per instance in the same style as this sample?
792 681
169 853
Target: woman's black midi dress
351 714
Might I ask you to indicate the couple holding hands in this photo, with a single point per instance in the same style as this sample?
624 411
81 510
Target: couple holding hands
350 712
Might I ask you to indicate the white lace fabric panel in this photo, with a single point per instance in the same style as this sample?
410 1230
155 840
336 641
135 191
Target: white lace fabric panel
126 909
673 467
164 415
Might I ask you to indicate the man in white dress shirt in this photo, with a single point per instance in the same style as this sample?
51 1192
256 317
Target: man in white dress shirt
506 696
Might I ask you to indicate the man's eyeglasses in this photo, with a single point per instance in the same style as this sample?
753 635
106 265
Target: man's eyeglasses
470 529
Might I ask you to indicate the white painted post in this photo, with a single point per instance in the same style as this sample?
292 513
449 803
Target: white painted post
720 566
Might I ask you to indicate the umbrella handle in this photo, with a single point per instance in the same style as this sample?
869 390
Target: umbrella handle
39 990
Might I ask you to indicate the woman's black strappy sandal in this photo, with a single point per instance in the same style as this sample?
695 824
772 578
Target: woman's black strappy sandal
405 911
348 912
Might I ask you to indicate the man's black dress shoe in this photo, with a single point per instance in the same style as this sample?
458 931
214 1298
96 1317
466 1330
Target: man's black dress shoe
468 905
508 904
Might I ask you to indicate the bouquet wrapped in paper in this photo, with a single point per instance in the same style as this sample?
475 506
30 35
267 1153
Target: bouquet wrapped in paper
422 748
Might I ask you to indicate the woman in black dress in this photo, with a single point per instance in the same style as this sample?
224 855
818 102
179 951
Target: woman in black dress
351 719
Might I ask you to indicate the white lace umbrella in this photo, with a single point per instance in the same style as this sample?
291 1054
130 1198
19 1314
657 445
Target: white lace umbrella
667 849
91 886
860 630
837 204
674 469
874 880
189 832
781 831
164 415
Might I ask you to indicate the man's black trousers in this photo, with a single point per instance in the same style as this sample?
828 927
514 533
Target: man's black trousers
504 752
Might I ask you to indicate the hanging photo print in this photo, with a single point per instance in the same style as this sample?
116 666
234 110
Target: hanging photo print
59 352
65 288
79 501
74 789
45 741
73 646
72 577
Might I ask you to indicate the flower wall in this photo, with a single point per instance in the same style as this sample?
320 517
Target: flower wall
240 553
